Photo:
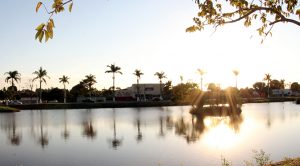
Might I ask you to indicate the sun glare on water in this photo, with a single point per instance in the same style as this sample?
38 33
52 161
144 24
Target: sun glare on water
220 135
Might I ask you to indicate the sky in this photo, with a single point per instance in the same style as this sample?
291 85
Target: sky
145 35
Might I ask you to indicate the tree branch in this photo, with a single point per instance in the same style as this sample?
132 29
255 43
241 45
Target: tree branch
283 18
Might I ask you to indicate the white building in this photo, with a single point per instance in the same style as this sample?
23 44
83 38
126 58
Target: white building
146 91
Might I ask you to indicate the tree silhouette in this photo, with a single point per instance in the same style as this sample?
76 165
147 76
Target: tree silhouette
13 76
113 69
160 75
89 81
64 79
40 75
268 79
138 75
236 73
201 72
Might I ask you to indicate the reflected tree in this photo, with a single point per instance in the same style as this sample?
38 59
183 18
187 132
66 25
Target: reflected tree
88 127
115 142
161 127
235 122
44 139
139 136
14 136
66 133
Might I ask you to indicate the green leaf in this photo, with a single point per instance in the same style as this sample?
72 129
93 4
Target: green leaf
70 7
52 22
37 34
50 33
41 36
38 6
46 36
192 29
40 27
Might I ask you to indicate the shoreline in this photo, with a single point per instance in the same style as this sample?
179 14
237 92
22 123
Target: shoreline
131 104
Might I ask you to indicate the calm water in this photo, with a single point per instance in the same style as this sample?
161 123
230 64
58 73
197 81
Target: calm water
147 136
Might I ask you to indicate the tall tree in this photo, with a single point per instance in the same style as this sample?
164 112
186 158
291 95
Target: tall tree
282 83
265 14
201 72
113 69
138 75
64 79
89 81
259 87
161 76
13 76
236 73
295 86
268 79
181 79
41 74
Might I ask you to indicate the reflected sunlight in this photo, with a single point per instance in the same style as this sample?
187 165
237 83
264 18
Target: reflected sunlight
220 134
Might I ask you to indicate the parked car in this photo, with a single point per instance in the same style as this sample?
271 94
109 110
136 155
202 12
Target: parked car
15 102
88 101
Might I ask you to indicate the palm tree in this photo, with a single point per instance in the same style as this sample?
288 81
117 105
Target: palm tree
13 76
160 75
268 79
282 86
40 75
113 69
89 81
282 83
201 72
236 73
181 79
138 75
64 79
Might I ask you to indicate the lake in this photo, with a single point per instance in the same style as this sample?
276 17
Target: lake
147 136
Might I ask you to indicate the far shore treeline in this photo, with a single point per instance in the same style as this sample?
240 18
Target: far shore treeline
182 92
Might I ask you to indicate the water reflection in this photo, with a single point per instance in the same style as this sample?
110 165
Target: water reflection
44 138
115 142
14 136
87 124
178 128
65 133
139 136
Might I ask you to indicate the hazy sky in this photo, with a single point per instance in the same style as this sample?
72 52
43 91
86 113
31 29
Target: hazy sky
146 35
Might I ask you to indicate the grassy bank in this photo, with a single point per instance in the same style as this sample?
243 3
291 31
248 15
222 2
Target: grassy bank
287 162
8 109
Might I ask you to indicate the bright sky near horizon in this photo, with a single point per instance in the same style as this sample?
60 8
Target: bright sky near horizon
146 35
